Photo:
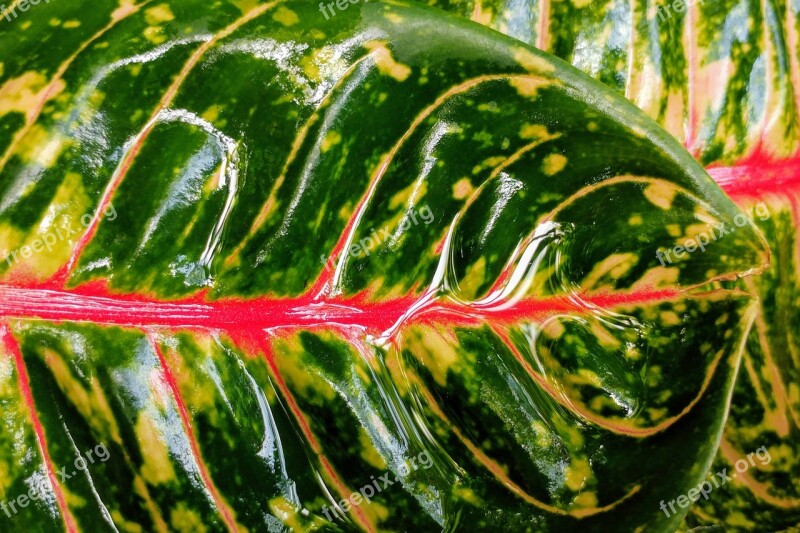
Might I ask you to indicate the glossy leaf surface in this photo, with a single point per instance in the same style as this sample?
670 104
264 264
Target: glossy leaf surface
298 256
724 78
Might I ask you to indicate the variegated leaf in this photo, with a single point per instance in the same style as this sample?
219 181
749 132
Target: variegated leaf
299 254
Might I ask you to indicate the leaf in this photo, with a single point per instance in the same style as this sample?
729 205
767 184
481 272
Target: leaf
722 77
299 255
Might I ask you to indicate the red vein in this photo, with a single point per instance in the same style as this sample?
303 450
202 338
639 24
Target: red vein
12 347
224 509
543 29
265 313
691 78
757 175
341 487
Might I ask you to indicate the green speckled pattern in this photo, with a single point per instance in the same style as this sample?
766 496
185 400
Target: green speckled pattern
294 257
724 78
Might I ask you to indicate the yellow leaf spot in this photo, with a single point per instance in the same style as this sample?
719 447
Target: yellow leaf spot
71 24
473 278
332 138
613 266
158 14
385 62
654 376
434 352
285 16
91 404
375 512
481 15
52 235
586 500
657 414
577 474
491 162
368 451
668 318
532 62
657 277
534 131
25 93
543 437
157 467
528 86
155 34
553 164
462 189
298 376
186 520
394 17
245 6
468 495
660 194
288 513
124 525
604 337
75 501
553 328
741 522
411 194
41 147
212 113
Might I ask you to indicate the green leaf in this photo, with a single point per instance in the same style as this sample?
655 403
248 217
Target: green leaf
724 78
296 255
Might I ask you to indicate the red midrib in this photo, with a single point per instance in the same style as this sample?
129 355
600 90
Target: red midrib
266 313
758 175
753 177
